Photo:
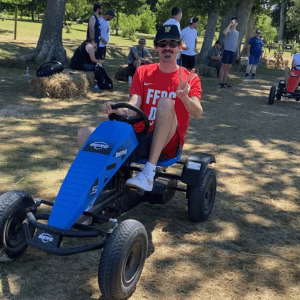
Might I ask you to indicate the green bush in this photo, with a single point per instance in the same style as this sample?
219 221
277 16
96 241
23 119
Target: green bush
148 21
129 25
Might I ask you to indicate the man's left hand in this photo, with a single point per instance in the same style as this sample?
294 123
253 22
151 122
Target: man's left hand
183 86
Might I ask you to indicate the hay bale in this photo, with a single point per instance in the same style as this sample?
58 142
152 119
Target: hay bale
62 85
204 70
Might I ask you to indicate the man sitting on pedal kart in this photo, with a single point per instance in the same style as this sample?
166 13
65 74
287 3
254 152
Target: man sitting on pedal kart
295 66
167 94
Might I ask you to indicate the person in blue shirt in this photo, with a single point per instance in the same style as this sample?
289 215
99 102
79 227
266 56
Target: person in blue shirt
254 51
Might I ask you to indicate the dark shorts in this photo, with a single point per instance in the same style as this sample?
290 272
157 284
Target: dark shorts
100 53
188 61
253 59
142 150
228 57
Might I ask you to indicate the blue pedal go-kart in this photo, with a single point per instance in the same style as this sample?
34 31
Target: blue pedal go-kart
95 188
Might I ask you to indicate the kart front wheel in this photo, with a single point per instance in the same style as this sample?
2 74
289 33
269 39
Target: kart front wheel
13 207
278 95
122 260
201 198
272 95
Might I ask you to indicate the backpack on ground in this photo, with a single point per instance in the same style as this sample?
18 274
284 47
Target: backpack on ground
102 79
122 73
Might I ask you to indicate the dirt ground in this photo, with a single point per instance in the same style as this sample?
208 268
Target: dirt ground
247 249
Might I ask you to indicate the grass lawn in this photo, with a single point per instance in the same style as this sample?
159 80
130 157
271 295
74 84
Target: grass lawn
249 246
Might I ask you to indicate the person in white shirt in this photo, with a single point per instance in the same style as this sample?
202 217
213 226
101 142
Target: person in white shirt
176 14
105 32
189 36
295 65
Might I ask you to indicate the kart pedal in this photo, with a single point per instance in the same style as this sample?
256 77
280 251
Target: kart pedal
135 190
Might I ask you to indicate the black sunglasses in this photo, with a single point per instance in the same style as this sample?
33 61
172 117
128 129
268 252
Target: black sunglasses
163 44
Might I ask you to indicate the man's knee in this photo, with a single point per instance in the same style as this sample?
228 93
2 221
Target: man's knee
165 107
83 134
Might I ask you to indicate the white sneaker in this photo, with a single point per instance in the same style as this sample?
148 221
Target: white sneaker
142 181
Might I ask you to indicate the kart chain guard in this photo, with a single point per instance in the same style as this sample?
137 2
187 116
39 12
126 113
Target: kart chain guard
100 158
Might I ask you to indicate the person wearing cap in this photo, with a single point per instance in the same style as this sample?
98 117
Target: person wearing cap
168 94
139 55
105 32
231 51
189 36
214 56
93 30
254 52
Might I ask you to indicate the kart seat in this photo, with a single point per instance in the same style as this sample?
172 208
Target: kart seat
162 163
293 80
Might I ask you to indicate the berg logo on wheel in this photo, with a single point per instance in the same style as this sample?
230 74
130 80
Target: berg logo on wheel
46 237
98 147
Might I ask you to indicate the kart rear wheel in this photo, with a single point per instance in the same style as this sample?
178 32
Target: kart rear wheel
13 206
201 198
272 95
122 260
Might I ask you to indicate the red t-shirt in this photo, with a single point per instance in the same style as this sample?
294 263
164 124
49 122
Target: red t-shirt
150 83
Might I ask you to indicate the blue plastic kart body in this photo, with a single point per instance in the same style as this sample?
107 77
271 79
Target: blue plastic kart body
102 155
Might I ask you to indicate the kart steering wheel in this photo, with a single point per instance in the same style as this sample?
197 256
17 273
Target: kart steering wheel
130 120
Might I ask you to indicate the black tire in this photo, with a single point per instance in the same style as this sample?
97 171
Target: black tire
122 260
13 206
272 95
201 198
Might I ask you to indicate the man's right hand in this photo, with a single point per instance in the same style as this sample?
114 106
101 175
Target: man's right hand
108 110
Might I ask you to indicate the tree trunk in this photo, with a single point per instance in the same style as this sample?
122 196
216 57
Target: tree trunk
208 37
242 11
117 29
50 44
281 25
250 31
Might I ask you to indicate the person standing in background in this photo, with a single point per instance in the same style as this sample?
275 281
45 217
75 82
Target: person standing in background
176 14
254 51
189 36
105 32
231 51
93 30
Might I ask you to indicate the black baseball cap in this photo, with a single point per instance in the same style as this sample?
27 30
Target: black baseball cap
111 12
219 42
258 31
167 32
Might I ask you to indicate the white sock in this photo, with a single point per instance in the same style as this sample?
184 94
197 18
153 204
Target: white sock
150 169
